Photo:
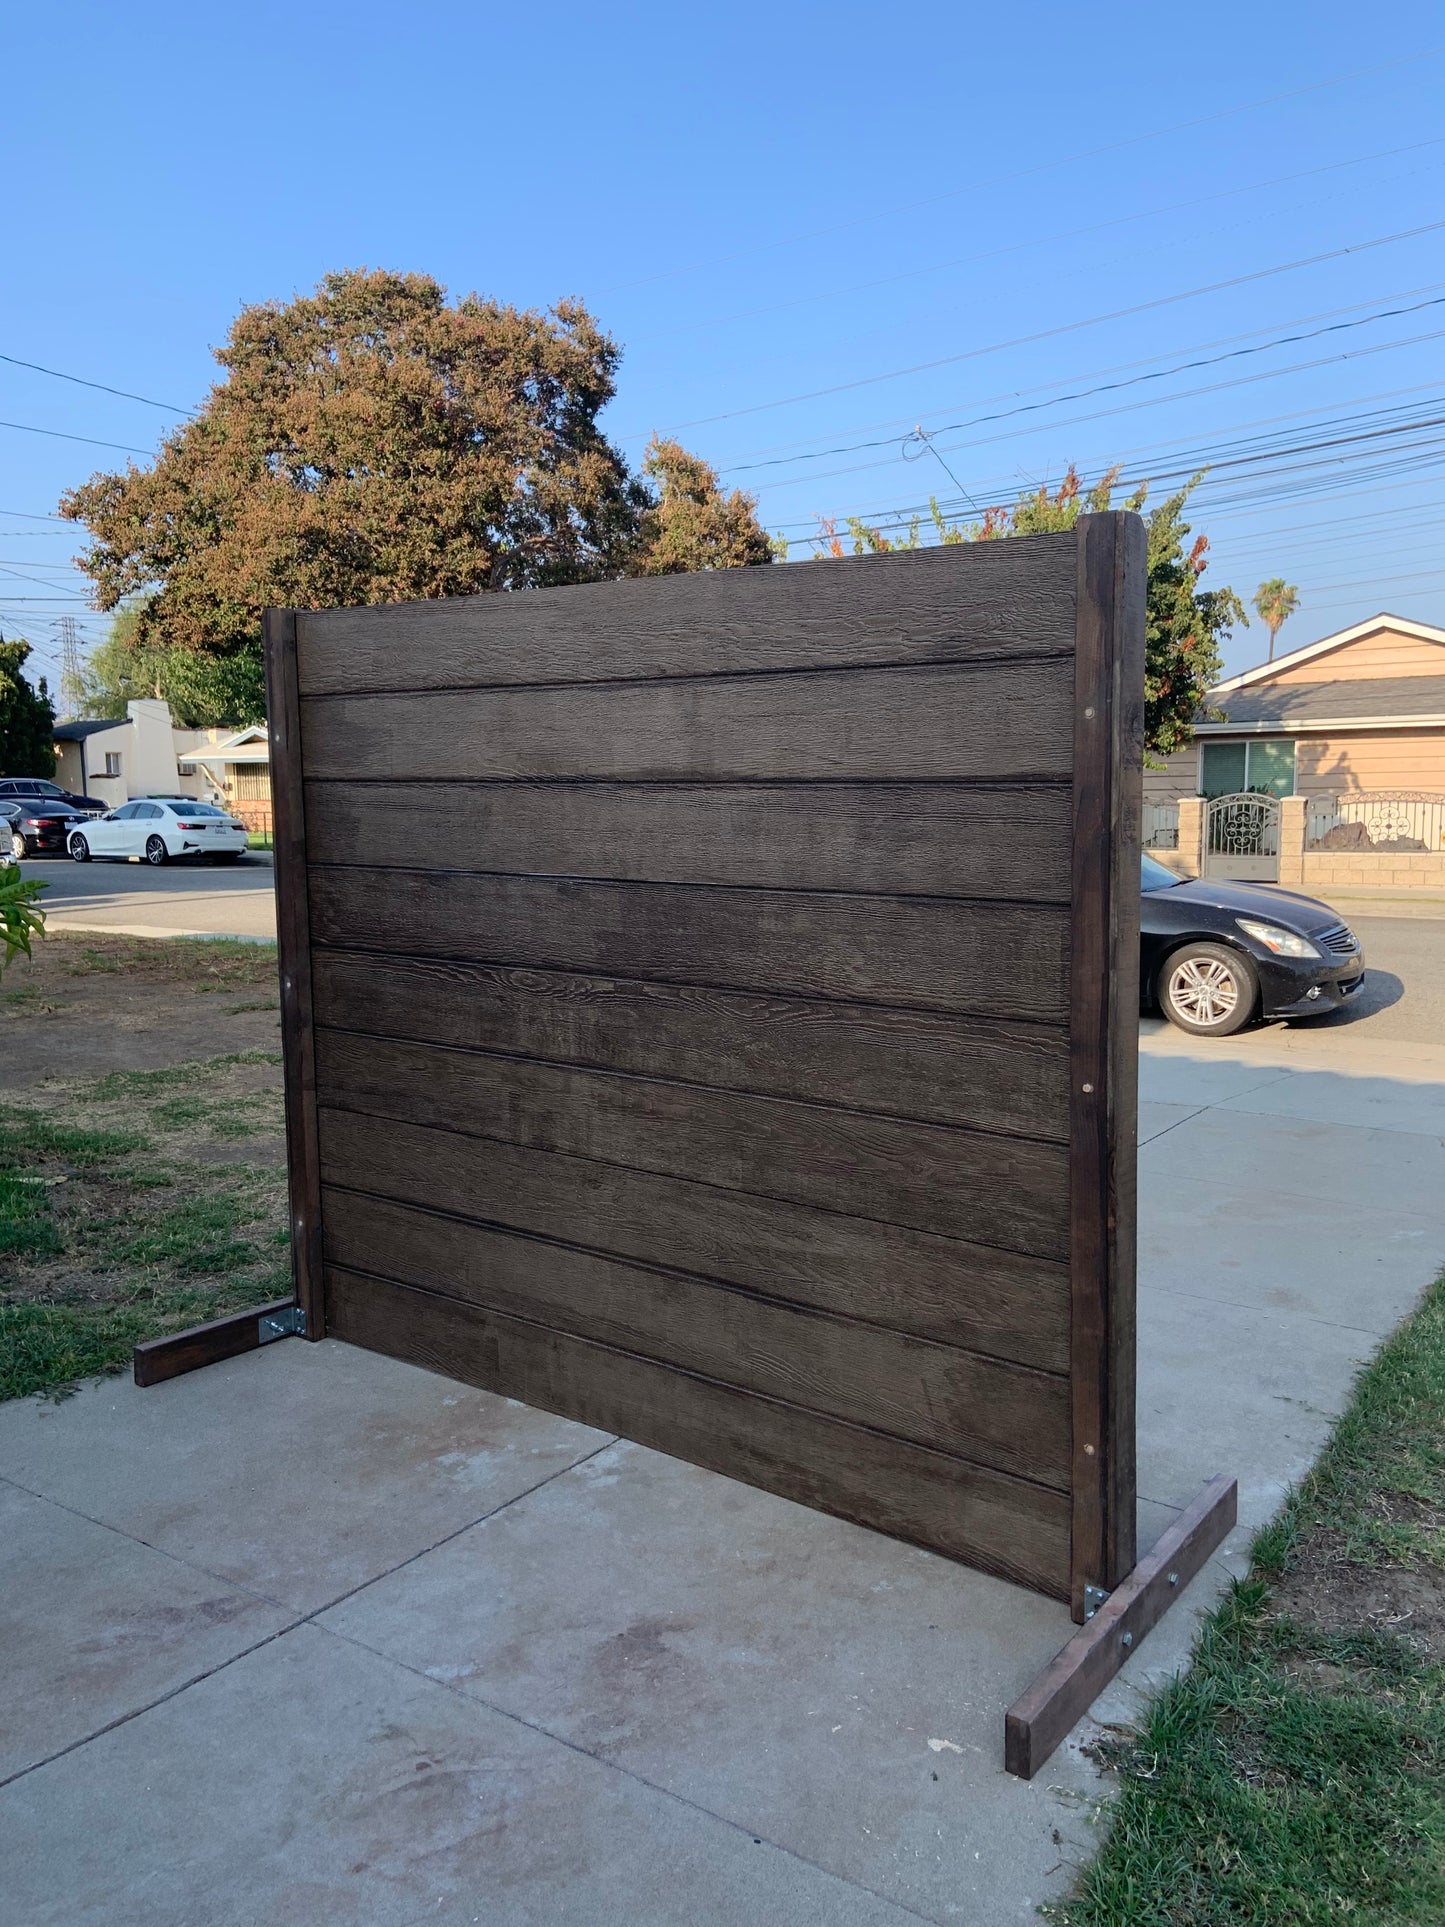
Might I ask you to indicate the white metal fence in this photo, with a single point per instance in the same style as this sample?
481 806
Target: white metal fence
1381 820
1161 826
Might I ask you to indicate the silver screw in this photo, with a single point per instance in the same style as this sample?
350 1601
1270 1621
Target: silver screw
1089 713
1127 1640
1174 1578
1087 1089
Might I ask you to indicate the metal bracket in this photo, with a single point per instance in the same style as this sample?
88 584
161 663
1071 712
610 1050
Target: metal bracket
290 1323
1094 1597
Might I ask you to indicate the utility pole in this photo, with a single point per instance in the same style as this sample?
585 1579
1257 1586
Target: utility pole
71 686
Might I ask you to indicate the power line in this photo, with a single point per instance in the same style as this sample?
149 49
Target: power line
848 289
1171 131
1065 328
25 428
1103 388
58 374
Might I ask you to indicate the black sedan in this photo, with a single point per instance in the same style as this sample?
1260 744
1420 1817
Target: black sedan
1214 954
32 827
38 789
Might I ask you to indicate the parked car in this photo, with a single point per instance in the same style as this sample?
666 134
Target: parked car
1214 954
36 828
25 789
154 830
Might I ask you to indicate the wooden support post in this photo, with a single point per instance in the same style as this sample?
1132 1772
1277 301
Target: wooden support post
1070 1684
158 1359
293 943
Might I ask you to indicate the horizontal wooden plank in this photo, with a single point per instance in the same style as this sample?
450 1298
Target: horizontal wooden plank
901 839
1004 1303
990 722
956 603
154 1360
996 959
993 1190
911 1063
991 1413
991 1519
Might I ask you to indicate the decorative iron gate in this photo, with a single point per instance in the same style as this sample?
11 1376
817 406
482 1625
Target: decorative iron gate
1242 837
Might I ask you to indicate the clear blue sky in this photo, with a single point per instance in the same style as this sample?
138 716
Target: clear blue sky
776 211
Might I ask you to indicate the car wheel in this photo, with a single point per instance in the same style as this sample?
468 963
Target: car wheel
79 848
1208 990
156 851
17 846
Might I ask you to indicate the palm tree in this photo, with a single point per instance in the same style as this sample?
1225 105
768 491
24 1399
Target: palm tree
1276 601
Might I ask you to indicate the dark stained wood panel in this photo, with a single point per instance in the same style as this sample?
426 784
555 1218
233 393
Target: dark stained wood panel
952 1070
998 959
718 1018
990 1413
990 722
962 1184
1003 1303
1008 1525
898 839
946 604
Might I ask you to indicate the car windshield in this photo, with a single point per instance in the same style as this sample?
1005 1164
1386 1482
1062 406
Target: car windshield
1156 877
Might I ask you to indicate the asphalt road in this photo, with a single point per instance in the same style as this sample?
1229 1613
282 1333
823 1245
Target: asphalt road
179 899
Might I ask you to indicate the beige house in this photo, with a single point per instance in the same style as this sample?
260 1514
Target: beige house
1353 728
139 754
238 764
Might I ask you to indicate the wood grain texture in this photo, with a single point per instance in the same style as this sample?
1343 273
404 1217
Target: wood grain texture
1075 1677
952 1070
945 604
1004 1524
989 722
1002 1303
1104 1026
293 947
995 959
898 839
990 1413
993 1190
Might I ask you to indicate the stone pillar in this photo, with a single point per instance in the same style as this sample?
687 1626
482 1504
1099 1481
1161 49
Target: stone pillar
1191 835
1292 841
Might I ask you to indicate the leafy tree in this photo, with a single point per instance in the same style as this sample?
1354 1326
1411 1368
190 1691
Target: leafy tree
692 524
21 917
375 443
1275 602
204 690
1186 624
27 717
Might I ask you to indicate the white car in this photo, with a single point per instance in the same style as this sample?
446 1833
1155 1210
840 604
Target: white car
159 828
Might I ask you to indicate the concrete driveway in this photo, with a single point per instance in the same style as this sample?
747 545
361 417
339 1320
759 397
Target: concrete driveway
315 1636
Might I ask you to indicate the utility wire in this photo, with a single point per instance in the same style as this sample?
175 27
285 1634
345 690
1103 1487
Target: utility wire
1103 388
1068 327
80 381
25 428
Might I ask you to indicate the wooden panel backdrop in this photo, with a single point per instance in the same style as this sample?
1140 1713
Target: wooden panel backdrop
709 1009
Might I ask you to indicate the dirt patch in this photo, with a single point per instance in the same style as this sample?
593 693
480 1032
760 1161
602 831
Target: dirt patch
85 1004
1330 1593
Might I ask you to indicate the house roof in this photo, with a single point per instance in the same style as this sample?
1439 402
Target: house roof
1401 625
76 732
1412 702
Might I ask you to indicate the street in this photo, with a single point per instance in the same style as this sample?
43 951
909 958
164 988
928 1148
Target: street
178 900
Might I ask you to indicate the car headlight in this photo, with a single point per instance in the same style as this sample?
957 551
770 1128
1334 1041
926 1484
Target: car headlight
1284 943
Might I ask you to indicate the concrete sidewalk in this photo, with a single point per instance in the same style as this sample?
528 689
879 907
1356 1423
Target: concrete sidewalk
315 1636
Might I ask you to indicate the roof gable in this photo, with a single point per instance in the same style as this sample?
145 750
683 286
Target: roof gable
1373 625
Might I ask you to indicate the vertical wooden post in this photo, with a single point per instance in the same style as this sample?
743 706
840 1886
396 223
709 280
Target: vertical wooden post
1103 1044
293 940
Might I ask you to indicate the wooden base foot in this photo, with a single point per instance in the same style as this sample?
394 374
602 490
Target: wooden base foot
161 1358
1070 1684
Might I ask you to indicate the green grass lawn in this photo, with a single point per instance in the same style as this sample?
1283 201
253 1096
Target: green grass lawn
1297 1774
129 1207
